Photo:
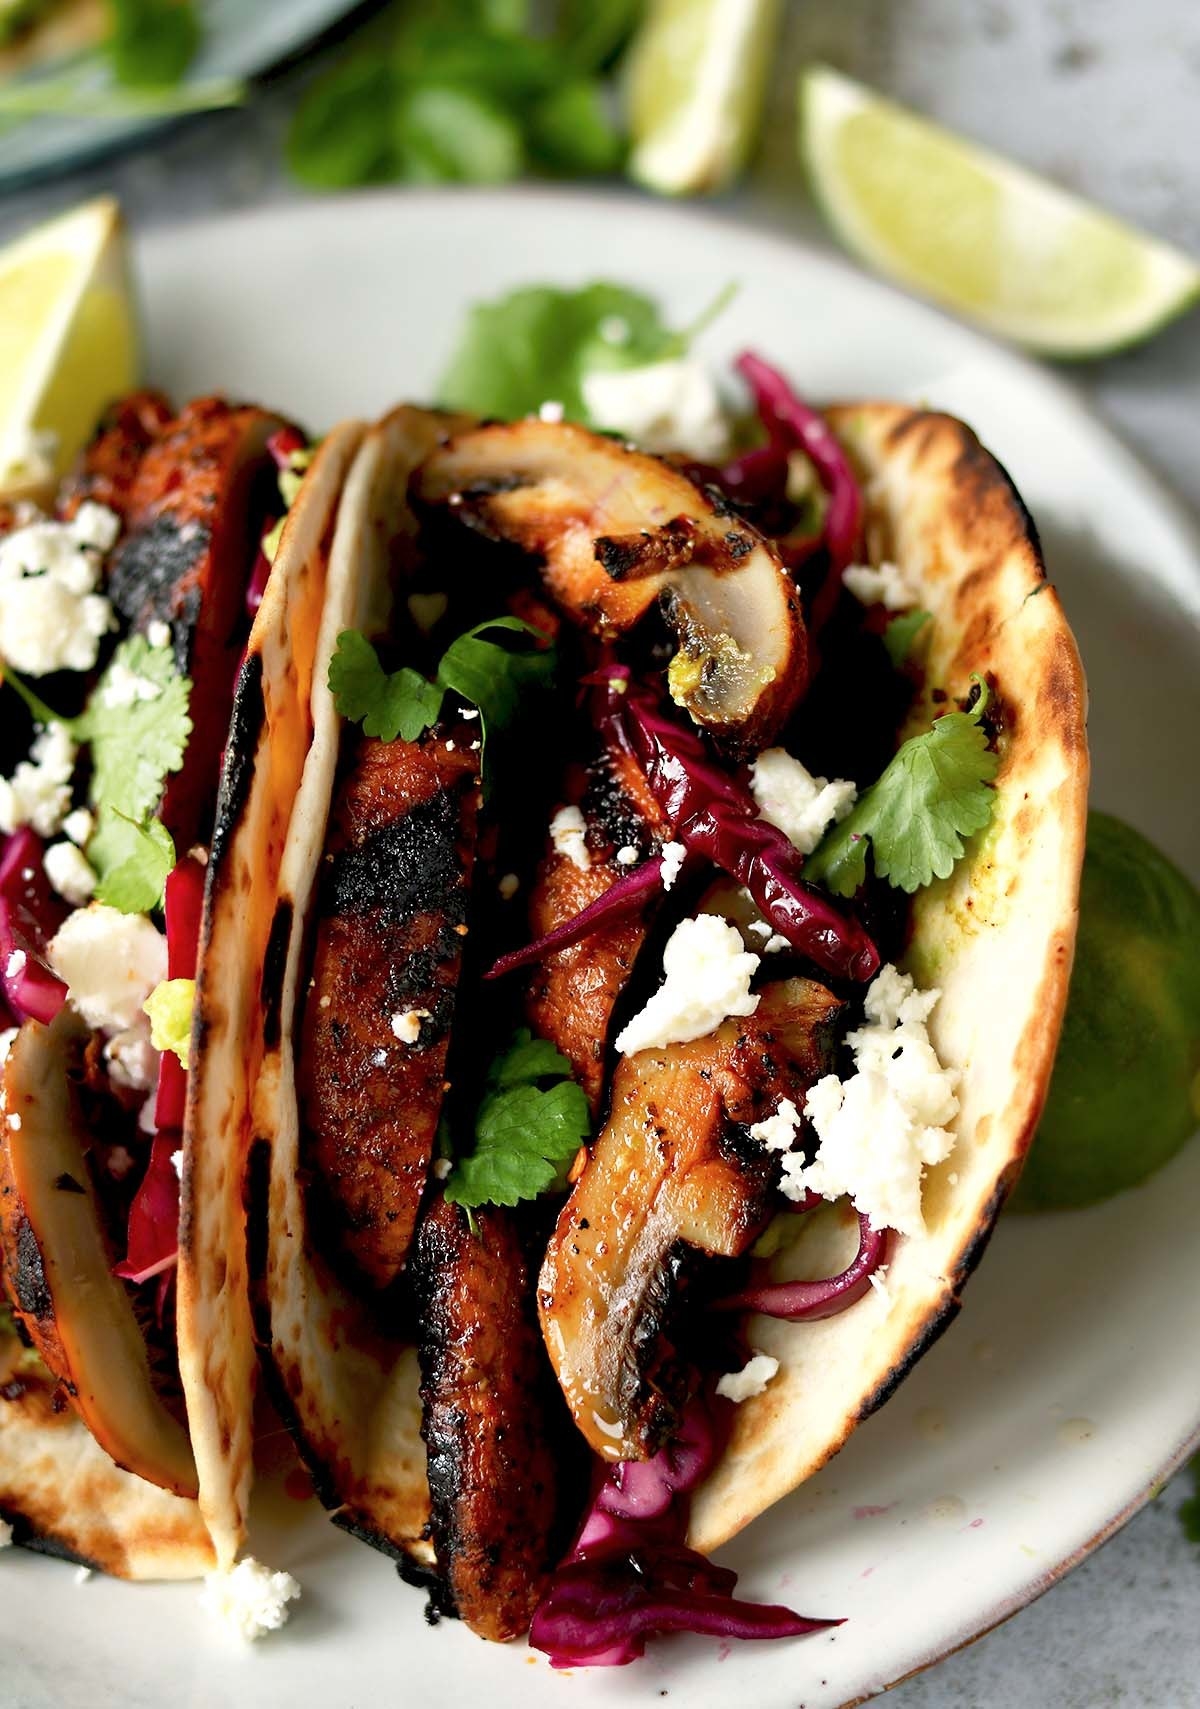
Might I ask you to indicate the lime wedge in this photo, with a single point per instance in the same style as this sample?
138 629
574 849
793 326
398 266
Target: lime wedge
68 343
985 237
697 73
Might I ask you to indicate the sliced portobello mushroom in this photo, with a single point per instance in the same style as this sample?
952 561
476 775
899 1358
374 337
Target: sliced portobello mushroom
78 1315
617 532
672 1169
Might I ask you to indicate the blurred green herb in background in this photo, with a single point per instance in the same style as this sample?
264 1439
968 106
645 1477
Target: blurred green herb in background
467 90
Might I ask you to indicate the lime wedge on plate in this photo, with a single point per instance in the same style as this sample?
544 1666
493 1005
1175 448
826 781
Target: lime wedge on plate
697 72
983 236
68 343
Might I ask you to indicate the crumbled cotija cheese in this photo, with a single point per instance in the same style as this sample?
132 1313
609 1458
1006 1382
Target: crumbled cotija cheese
567 832
879 1129
880 584
751 1380
39 792
664 406
51 617
778 1132
69 873
708 972
249 1599
673 856
800 805
110 962
407 1026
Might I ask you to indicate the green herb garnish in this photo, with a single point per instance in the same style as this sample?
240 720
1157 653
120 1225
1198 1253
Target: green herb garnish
526 1130
934 792
901 635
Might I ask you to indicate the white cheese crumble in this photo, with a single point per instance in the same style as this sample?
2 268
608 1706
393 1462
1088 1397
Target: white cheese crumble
39 792
51 617
880 1128
110 963
132 1059
441 1168
673 856
551 410
7 1040
69 873
626 856
79 826
82 1574
249 1599
123 687
707 978
177 1162
158 633
790 798
878 1281
665 406
567 833
407 1026
778 1132
880 584
751 1380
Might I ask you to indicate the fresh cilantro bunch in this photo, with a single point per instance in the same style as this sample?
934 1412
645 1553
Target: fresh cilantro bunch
465 90
934 792
137 738
531 1121
497 679
539 342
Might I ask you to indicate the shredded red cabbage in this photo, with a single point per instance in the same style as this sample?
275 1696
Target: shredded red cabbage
630 1575
711 812
183 905
30 914
804 1302
621 898
283 445
791 424
154 1216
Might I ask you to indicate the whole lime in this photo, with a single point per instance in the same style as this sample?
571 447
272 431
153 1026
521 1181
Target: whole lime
1125 1093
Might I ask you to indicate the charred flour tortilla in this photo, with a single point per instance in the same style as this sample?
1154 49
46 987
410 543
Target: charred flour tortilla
241 948
350 1393
997 938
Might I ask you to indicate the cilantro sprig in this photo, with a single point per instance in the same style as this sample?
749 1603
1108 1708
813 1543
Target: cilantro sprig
934 792
531 1121
497 679
136 725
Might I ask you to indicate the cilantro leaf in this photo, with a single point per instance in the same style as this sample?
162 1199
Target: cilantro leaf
901 634
537 343
136 720
572 132
132 861
524 1133
400 704
152 42
934 792
497 679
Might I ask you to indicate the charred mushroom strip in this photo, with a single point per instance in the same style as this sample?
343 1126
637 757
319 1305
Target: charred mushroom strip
392 915
192 518
574 990
668 1172
57 1264
484 1387
618 532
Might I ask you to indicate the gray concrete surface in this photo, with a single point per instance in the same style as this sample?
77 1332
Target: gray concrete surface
1105 95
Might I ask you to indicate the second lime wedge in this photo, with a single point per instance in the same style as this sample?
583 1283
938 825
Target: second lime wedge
985 237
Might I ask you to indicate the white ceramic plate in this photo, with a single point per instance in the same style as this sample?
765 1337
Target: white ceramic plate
1069 1386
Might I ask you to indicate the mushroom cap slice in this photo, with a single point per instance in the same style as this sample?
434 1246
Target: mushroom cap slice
668 1169
616 532
80 1316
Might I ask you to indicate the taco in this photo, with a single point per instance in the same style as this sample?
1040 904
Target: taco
128 933
606 1174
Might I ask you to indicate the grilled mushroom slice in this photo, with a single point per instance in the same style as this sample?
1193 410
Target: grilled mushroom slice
617 532
670 1170
484 1387
78 1315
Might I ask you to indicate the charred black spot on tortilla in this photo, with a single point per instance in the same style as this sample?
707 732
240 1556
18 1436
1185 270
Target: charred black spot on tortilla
274 969
258 1180
441 1599
47 1544
147 569
249 716
29 1281
68 1184
740 545
719 499
408 867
